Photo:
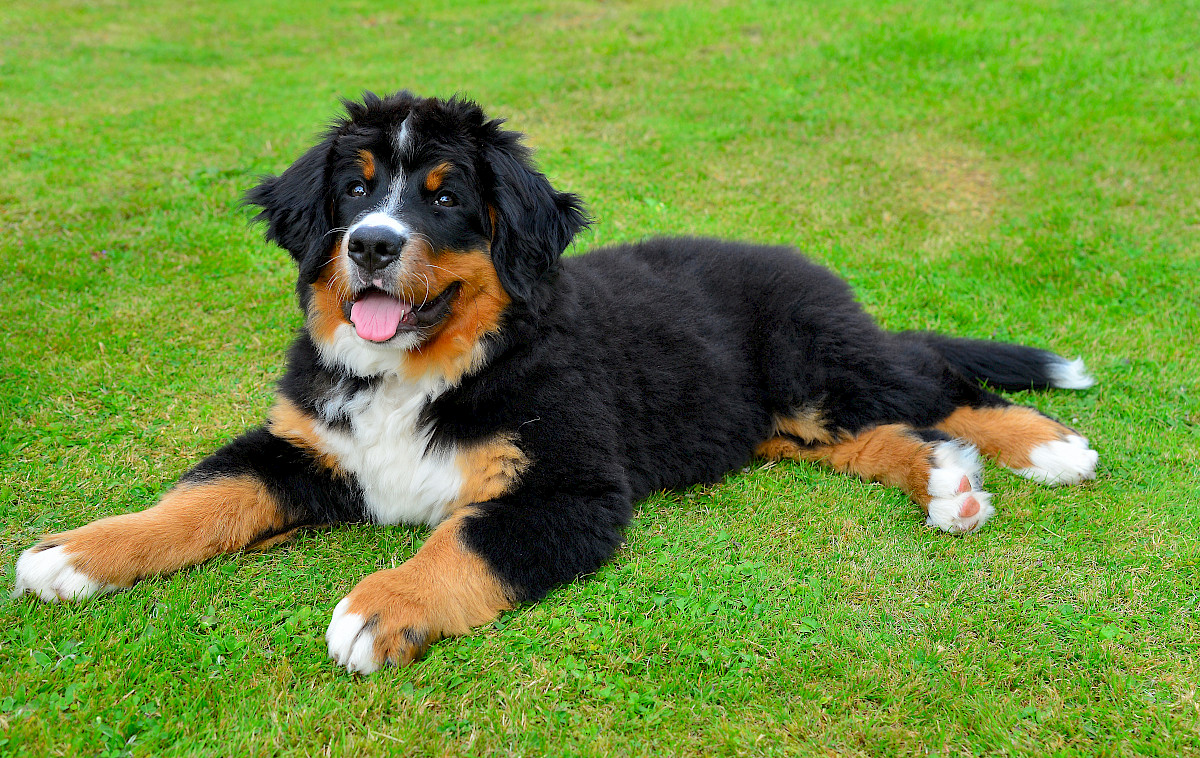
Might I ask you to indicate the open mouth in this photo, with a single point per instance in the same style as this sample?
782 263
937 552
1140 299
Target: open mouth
378 316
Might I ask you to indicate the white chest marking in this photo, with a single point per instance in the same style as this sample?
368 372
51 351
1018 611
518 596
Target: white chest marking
387 449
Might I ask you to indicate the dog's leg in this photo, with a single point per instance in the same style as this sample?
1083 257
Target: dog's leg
484 559
252 493
944 476
392 616
1021 438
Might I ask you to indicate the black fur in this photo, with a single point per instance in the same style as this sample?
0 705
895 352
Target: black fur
660 364
307 494
1003 366
296 204
534 222
467 359
309 383
630 369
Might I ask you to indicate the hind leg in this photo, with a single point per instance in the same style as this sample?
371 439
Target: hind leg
942 475
1020 438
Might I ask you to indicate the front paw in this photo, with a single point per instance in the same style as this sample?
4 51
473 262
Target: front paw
393 616
364 635
49 571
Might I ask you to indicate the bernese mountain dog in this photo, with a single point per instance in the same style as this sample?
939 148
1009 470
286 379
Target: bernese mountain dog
454 370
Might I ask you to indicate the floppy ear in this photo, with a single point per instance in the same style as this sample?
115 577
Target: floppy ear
532 223
295 204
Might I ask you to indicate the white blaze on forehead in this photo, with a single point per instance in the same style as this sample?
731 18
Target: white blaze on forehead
391 203
402 144
402 139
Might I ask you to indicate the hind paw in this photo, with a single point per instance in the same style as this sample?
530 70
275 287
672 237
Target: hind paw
962 513
1064 461
958 503
955 468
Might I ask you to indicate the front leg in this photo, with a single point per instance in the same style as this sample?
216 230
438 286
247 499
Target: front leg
254 492
484 559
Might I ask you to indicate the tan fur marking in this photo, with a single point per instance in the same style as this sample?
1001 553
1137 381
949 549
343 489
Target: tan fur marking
329 293
288 422
890 454
453 346
434 179
192 523
1006 434
453 349
778 448
270 542
367 160
443 590
490 470
807 424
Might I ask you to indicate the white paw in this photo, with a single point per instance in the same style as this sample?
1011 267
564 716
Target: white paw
50 575
351 640
1065 461
959 504
962 513
952 461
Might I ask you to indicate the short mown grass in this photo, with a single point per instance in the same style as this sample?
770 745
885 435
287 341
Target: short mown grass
1023 171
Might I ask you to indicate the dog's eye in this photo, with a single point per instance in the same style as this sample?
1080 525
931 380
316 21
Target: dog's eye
356 189
446 200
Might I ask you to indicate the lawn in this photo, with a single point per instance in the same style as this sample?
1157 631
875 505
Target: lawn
1026 171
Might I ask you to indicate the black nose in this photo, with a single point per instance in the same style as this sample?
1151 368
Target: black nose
374 247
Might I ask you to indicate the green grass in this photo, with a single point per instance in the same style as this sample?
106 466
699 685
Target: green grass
1025 171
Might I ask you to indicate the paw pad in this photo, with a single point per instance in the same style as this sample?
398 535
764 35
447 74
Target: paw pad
958 503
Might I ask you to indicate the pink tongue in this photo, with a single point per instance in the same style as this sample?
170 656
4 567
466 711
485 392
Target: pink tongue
377 316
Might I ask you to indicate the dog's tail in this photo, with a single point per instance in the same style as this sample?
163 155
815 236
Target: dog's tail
1005 366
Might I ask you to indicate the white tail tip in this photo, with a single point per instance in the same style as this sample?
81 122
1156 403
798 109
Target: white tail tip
1069 375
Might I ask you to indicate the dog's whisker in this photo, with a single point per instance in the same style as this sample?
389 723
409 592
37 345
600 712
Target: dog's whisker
457 277
426 298
422 239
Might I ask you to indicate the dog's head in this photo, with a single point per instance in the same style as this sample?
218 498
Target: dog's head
416 224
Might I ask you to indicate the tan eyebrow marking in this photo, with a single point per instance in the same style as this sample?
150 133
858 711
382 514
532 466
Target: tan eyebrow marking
434 179
367 161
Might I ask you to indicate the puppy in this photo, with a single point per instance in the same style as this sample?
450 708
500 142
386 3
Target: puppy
453 371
